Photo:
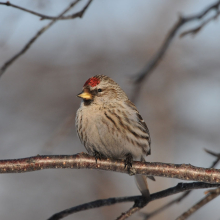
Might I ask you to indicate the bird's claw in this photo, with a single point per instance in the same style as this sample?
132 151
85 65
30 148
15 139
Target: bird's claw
128 161
97 155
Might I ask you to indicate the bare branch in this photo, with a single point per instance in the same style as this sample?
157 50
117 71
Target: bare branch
212 194
212 153
40 32
23 9
194 31
171 34
43 17
138 200
75 15
157 211
82 161
94 204
128 213
183 196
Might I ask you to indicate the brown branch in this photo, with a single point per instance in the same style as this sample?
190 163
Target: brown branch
138 200
183 196
128 213
195 30
171 34
212 166
23 9
92 205
39 33
162 208
215 155
75 15
212 194
43 17
85 161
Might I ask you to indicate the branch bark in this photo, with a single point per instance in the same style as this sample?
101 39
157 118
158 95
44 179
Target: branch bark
127 214
44 17
184 195
85 161
138 200
40 32
212 195
164 207
138 78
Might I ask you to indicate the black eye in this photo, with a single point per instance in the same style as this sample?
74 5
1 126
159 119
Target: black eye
99 90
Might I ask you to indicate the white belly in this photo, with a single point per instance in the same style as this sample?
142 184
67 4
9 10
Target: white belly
100 134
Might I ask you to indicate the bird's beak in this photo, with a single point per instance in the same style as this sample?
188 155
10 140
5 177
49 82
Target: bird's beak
85 95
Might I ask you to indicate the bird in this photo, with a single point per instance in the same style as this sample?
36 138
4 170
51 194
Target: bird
109 125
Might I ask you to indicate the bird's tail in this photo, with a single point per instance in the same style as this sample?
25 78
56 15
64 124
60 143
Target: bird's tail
142 184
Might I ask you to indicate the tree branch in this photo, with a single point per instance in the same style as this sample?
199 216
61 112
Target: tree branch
212 194
43 17
85 161
195 30
215 155
127 214
171 34
162 208
40 32
181 197
138 200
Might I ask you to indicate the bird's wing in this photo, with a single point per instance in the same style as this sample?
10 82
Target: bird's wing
139 124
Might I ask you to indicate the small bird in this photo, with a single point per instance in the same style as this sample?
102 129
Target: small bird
109 125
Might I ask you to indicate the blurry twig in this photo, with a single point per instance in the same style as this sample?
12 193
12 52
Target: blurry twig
194 31
138 78
138 200
211 195
183 196
128 213
43 17
157 211
39 33
215 155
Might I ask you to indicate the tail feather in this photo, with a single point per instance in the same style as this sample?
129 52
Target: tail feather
141 182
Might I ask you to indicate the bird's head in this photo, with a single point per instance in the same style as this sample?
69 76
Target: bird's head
101 89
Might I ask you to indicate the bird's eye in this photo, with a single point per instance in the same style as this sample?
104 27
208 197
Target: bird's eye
99 90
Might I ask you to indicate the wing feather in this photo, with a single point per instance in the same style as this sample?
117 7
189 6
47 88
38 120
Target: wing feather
141 123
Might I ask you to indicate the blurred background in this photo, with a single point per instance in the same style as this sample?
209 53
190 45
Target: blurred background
179 101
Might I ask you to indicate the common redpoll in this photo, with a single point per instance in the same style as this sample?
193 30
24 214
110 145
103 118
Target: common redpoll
109 125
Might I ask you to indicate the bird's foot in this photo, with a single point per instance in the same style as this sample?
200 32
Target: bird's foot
98 155
128 161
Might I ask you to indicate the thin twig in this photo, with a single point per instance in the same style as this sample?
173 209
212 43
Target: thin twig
212 194
75 15
92 205
44 17
39 33
127 214
23 9
138 78
194 31
157 211
215 155
85 161
180 198
138 200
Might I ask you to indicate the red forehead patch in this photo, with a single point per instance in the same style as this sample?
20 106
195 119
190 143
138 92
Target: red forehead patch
92 82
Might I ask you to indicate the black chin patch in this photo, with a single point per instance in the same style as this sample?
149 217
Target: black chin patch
87 102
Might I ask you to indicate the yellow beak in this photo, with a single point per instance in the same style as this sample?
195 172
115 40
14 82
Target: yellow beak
85 95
